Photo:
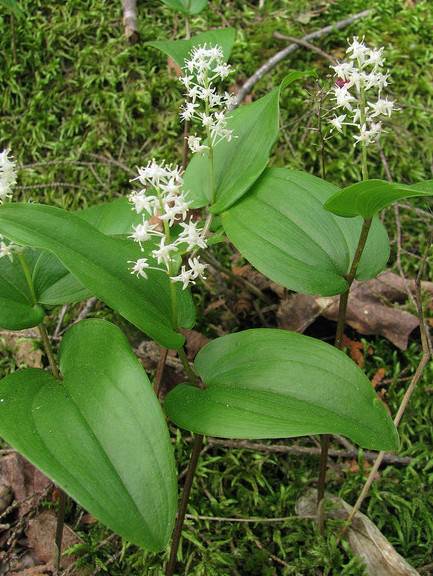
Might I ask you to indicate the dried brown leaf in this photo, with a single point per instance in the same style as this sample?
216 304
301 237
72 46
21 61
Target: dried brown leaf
365 539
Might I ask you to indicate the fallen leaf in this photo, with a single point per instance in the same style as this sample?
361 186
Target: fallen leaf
24 349
356 350
26 482
378 377
194 342
371 309
365 539
41 533
5 497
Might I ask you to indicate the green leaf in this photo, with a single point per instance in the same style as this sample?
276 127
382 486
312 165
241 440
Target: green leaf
18 309
238 164
367 198
281 227
187 6
115 218
100 263
267 383
100 434
179 50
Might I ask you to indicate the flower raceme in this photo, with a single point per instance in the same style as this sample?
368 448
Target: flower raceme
205 105
163 204
8 178
359 84
8 175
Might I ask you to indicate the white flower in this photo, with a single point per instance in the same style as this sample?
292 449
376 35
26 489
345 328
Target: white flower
7 249
337 122
8 175
195 145
192 235
204 66
197 268
344 70
382 107
143 232
343 97
188 110
358 80
163 253
185 277
143 203
139 267
358 50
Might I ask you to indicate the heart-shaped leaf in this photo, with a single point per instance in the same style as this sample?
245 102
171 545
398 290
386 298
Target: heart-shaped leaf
268 383
179 50
238 163
100 263
369 197
100 434
281 227
187 6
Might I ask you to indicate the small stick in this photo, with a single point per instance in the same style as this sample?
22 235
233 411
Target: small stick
130 19
305 44
252 520
425 358
282 54
307 450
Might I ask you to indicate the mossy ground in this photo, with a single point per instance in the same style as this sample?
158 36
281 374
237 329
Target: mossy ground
73 90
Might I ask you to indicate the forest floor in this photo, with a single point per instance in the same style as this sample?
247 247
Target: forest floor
80 107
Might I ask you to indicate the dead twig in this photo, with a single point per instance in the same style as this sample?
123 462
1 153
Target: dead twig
130 19
305 44
306 450
282 54
425 358
252 520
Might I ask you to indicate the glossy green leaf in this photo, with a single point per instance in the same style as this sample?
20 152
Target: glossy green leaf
100 263
179 50
187 6
268 383
100 434
281 227
115 218
18 309
238 164
367 198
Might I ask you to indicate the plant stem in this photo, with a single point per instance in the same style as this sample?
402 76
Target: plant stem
342 313
425 358
56 373
192 466
177 533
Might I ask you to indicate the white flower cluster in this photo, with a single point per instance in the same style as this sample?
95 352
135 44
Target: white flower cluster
204 104
358 92
7 248
163 204
8 178
8 175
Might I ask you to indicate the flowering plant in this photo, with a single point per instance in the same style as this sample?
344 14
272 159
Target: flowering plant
108 445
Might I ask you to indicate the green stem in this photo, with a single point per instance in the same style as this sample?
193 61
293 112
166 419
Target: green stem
56 373
342 313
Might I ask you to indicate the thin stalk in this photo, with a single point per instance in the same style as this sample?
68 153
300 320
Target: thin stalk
425 359
192 466
342 313
177 533
56 373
